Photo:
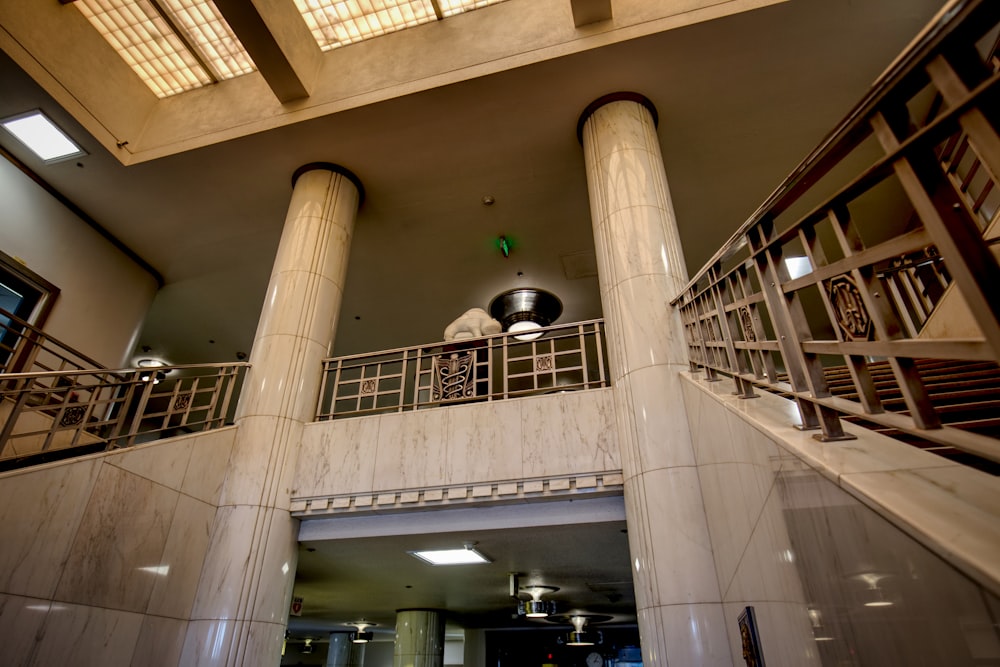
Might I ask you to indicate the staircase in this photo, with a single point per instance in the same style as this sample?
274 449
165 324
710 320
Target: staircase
965 394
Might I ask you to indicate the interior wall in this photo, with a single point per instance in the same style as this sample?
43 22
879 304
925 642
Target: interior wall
804 553
104 295
101 557
524 438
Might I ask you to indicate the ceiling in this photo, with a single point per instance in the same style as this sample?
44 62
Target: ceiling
741 100
346 580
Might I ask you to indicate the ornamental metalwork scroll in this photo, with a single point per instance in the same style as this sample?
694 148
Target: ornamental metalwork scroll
73 416
453 377
852 316
746 322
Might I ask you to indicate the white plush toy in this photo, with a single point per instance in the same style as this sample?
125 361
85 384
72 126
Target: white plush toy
473 323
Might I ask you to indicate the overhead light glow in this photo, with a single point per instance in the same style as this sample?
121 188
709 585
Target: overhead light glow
451 556
42 136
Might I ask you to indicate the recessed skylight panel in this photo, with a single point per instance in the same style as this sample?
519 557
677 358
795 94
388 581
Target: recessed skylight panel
336 23
452 7
146 42
144 33
212 35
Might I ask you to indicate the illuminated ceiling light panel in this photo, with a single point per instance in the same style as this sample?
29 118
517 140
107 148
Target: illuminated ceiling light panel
451 556
336 23
147 42
42 136
452 7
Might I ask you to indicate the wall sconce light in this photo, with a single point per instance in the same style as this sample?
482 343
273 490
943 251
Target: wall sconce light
308 647
524 309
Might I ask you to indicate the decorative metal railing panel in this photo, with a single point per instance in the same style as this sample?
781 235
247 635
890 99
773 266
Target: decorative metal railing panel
25 348
563 358
96 410
879 250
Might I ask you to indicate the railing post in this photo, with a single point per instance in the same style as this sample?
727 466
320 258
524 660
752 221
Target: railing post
956 235
805 372
744 389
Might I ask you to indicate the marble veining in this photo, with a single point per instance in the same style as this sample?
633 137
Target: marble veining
86 637
123 529
34 545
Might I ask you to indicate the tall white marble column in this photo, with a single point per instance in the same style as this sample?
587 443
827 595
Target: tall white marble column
419 638
641 268
242 604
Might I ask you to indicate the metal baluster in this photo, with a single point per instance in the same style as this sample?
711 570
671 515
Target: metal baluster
805 371
857 365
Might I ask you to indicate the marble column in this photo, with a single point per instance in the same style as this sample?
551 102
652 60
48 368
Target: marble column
419 638
241 608
641 268
344 652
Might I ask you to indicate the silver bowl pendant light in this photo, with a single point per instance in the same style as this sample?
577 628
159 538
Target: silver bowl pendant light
524 309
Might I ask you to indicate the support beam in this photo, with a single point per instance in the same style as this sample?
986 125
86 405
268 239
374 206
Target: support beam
278 40
586 12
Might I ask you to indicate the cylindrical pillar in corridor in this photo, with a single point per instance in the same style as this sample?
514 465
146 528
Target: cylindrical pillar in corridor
243 598
419 638
344 652
641 268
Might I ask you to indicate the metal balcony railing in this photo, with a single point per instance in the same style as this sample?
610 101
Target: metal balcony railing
562 358
824 292
25 348
47 415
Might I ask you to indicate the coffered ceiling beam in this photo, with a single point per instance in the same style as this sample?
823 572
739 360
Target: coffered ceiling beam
586 12
276 37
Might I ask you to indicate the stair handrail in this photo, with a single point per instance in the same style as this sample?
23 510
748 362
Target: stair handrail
31 340
747 316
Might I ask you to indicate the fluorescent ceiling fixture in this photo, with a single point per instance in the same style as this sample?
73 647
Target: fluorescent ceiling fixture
336 23
145 34
451 556
42 136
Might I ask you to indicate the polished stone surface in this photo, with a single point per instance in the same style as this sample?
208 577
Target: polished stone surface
807 533
640 268
525 438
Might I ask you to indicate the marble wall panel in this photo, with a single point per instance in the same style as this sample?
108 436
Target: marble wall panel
808 556
539 436
207 466
87 637
160 642
337 456
124 528
21 621
569 433
40 511
161 462
485 442
411 451
176 583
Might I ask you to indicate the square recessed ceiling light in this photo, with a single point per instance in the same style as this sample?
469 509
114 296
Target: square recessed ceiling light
451 556
42 136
